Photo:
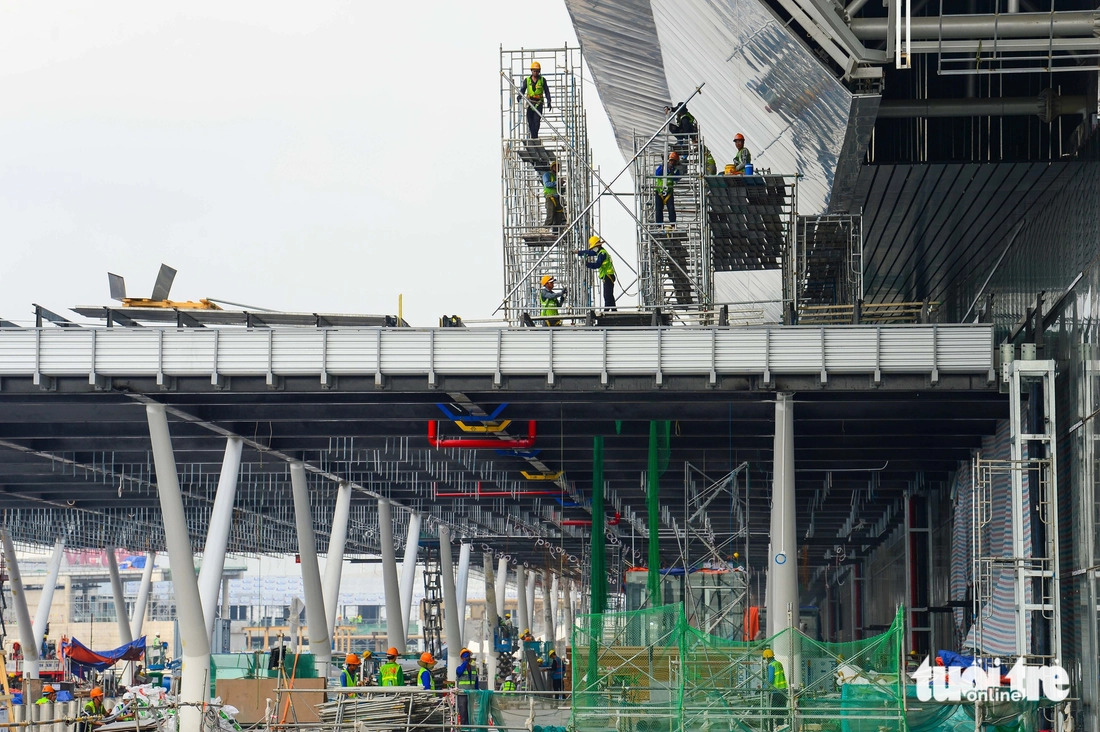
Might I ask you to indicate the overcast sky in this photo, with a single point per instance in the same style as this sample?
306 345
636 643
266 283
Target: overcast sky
319 157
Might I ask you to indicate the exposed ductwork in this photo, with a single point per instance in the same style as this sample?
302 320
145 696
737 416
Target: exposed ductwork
1048 106
1064 24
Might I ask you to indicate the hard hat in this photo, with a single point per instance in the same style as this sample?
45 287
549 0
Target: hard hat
507 616
553 163
47 689
739 136
547 279
526 631
351 660
674 156
427 658
768 653
391 651
553 652
465 653
594 240
96 693
367 654
536 66
913 653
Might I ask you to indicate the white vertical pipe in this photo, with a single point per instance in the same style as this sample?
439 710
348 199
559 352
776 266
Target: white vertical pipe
492 621
462 587
523 621
395 629
502 585
42 613
531 618
195 641
119 596
553 635
783 562
334 562
450 602
319 644
568 613
142 601
408 569
31 644
547 608
217 533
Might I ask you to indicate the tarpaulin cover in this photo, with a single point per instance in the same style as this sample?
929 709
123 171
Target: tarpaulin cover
80 655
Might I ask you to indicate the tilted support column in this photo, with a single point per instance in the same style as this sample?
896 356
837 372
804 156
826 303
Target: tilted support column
531 577
319 644
552 635
334 562
523 620
122 617
783 562
492 620
31 644
450 602
42 614
462 587
217 533
196 643
142 601
395 630
408 571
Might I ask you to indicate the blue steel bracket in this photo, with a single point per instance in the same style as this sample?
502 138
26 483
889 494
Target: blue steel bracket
472 417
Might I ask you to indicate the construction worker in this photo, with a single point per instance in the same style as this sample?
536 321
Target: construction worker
466 673
597 258
49 695
507 622
534 93
557 673
743 156
683 123
350 675
509 684
92 708
526 636
555 214
424 675
390 673
667 175
709 166
550 300
777 682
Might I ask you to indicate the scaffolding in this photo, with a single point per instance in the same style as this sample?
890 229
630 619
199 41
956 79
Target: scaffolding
431 607
532 248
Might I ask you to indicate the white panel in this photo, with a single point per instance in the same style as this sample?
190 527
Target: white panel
907 349
62 356
405 351
296 351
465 352
525 351
850 349
17 351
118 350
684 350
631 351
242 352
583 355
960 349
188 352
352 351
741 350
796 350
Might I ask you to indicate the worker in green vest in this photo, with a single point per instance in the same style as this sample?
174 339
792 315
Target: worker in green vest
94 710
555 213
597 258
424 675
550 300
534 93
390 673
777 682
49 695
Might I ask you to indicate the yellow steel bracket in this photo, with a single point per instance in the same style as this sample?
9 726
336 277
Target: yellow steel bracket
541 476
487 428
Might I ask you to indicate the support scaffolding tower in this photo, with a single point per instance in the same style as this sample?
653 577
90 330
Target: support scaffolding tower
532 249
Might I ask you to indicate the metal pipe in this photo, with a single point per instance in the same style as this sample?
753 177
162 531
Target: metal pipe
531 577
31 643
122 618
575 522
1046 106
783 562
515 442
1062 24
523 620
502 584
492 621
334 561
217 533
42 612
196 643
555 608
854 7
319 644
142 601
408 570
395 631
547 607
450 602
462 587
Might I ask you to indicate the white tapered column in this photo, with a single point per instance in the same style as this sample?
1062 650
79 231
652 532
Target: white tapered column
142 601
395 630
552 636
523 620
31 644
450 602
408 569
195 669
334 562
462 587
119 596
42 613
531 617
492 620
783 562
319 644
217 533
502 585
568 598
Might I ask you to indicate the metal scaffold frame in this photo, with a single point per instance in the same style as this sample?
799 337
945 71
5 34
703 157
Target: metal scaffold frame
531 248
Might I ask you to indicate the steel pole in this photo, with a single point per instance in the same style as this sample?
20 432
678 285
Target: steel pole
450 602
217 533
783 562
502 585
319 643
395 630
42 613
334 561
408 570
531 577
462 587
195 642
523 620
142 601
31 643
492 621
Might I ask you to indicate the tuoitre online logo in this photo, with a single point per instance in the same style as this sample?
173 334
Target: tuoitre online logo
993 684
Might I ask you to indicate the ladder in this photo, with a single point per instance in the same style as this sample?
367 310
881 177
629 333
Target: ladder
432 604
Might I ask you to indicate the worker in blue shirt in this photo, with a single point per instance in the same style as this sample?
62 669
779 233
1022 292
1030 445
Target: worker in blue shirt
667 175
557 674
555 213
597 258
424 675
466 673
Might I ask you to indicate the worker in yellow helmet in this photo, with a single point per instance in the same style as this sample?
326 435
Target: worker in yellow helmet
555 213
597 258
777 682
534 93
550 300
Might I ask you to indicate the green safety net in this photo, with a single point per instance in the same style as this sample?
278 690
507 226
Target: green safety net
649 670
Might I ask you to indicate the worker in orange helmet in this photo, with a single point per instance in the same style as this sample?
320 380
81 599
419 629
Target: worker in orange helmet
667 175
743 156
424 676
94 710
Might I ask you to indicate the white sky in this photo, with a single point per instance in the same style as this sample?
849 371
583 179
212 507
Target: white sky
320 157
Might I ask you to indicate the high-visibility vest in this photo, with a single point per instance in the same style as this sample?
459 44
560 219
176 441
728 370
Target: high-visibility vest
779 677
391 674
549 305
665 181
508 686
425 679
536 90
742 158
347 679
551 190
467 678
44 700
607 269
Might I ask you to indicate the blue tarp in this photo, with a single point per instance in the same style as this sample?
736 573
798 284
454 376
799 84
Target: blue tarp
82 658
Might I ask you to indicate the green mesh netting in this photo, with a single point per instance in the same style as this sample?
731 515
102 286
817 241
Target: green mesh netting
648 671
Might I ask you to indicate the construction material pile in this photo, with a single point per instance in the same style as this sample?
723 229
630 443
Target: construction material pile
389 710
151 707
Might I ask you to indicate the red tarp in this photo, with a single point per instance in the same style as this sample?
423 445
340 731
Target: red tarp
80 655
